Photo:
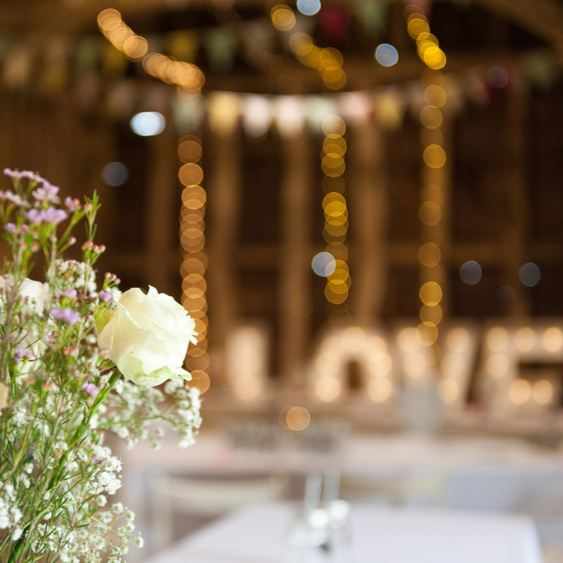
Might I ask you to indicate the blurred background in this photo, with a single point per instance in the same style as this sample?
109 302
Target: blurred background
360 204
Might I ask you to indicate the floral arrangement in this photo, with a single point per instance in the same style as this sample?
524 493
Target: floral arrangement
76 361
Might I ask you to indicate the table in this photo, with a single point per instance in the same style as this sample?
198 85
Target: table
379 535
480 473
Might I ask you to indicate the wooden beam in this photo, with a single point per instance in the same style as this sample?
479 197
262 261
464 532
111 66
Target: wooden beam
543 18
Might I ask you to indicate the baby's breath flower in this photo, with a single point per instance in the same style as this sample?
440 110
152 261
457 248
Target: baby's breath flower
59 373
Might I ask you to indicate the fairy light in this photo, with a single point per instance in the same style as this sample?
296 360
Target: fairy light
328 62
430 211
194 265
428 46
335 208
186 76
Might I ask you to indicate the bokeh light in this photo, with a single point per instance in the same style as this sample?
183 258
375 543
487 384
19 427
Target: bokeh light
497 365
525 339
430 213
323 264
435 95
283 17
380 389
434 156
497 339
542 392
295 418
497 76
115 174
520 391
190 151
148 123
529 274
430 293
448 391
429 255
457 339
431 117
308 7
190 174
386 55
471 272
328 389
552 339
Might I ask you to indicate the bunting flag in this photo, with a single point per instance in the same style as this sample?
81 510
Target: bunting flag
335 22
183 45
54 72
372 15
258 42
86 55
95 70
18 67
220 48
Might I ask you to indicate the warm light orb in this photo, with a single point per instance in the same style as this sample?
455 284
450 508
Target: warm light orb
328 389
200 380
497 339
497 365
431 117
283 17
434 156
190 151
407 339
296 418
542 392
448 391
552 339
247 388
525 339
432 314
429 255
435 95
136 47
427 333
457 340
415 365
353 338
520 391
430 213
452 365
190 174
333 125
380 389
430 293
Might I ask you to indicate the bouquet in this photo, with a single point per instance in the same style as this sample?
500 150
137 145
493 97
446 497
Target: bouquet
76 361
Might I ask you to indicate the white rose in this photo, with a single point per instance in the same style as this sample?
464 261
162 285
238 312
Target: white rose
35 292
147 337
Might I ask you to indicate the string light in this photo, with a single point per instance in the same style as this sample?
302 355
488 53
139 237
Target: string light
335 208
328 62
186 76
430 211
427 44
194 265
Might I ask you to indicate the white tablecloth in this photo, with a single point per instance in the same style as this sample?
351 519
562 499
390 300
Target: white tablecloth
357 455
479 473
378 535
